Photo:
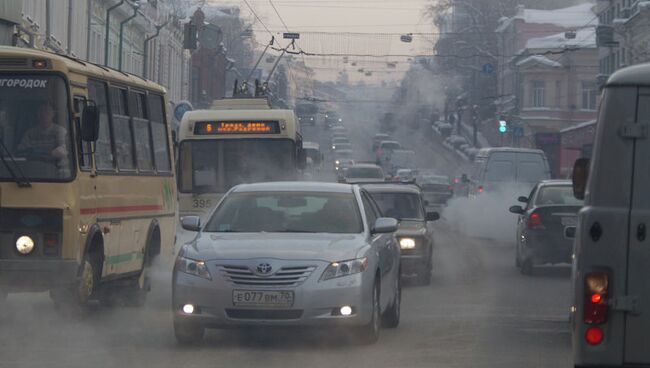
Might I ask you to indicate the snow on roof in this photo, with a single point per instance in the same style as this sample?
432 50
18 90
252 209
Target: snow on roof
585 38
572 17
540 60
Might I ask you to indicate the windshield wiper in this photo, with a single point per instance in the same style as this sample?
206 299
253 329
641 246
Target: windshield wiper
21 180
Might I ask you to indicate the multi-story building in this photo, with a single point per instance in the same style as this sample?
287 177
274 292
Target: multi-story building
623 36
78 28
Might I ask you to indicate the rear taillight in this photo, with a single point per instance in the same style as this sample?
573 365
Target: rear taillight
535 221
481 189
595 298
594 335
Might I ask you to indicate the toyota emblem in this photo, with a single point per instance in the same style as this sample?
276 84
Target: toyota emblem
264 268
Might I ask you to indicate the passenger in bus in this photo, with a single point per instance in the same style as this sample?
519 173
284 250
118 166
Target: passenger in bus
46 141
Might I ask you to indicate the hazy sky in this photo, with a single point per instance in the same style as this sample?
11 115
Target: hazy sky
325 27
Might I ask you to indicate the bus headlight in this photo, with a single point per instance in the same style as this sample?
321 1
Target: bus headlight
24 244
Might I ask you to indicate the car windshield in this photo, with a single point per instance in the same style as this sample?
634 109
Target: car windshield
557 195
365 172
35 128
293 212
402 206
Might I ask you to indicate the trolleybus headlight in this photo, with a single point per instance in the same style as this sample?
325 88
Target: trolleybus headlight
25 244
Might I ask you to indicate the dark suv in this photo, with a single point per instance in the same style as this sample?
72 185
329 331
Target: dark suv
415 235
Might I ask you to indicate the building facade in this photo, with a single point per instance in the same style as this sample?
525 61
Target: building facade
78 28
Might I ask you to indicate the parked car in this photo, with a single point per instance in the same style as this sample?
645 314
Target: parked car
415 234
289 254
548 210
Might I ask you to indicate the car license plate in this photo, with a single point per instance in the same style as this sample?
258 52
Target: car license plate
262 298
569 221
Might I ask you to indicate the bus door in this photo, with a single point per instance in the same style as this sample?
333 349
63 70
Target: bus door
637 303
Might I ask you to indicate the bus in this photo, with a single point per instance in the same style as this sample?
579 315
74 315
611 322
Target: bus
87 187
237 141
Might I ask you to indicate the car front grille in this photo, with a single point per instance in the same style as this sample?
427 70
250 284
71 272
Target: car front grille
268 314
286 276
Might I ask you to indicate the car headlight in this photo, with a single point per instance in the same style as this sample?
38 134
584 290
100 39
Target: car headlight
337 168
312 119
340 119
407 243
333 147
24 244
345 268
337 162
193 267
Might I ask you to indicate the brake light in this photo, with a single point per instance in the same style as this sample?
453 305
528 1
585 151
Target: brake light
456 180
450 187
481 189
535 221
595 299
594 335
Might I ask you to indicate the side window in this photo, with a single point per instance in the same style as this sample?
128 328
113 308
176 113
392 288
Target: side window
84 148
103 149
141 130
122 130
371 214
531 198
159 133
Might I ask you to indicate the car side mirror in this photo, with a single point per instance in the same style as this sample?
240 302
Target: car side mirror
384 225
523 199
580 177
433 216
570 232
516 209
90 123
191 223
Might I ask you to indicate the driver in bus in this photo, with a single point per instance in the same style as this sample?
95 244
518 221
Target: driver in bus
46 140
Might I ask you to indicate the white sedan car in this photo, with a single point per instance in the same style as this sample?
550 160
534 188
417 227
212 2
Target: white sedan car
289 254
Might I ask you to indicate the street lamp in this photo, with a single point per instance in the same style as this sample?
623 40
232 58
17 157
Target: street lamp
135 6
107 34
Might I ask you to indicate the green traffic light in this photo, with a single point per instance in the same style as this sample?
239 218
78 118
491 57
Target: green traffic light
502 129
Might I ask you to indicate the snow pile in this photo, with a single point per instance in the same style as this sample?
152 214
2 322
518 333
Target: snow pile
539 59
585 38
574 16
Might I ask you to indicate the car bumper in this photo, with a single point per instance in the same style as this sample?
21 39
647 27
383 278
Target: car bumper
36 275
544 249
315 302
413 263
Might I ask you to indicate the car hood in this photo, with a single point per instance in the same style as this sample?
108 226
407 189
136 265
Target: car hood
411 228
288 246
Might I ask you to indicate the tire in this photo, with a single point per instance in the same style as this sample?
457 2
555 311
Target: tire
391 317
424 273
517 256
527 267
369 334
187 333
79 297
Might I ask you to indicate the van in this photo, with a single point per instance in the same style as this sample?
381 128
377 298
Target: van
611 274
508 170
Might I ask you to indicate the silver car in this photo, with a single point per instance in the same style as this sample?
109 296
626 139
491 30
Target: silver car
289 254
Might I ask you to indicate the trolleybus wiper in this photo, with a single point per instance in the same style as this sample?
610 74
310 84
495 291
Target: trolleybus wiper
21 180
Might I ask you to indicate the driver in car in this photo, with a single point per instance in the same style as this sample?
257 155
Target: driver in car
46 140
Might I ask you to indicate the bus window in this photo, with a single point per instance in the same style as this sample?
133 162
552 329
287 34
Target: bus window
84 147
159 133
141 131
103 149
122 130
35 127
217 165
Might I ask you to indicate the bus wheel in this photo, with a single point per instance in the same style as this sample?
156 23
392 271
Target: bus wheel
81 296
136 294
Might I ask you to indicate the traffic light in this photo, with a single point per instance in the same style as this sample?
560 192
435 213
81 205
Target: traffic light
503 126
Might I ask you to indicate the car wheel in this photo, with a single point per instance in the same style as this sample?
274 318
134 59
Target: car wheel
517 256
390 318
369 334
527 266
188 333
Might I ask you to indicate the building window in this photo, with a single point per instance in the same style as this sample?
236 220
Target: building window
538 94
589 95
